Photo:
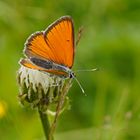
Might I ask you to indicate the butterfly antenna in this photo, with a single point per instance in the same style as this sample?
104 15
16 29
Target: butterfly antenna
79 35
79 85
90 70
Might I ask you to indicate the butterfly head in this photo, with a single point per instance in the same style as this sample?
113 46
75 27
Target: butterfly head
72 74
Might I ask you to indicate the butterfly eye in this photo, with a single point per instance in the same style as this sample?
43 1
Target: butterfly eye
72 75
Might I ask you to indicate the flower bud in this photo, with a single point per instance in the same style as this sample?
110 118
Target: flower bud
41 89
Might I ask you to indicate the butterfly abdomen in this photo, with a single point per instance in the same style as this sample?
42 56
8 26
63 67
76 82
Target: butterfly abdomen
47 64
42 63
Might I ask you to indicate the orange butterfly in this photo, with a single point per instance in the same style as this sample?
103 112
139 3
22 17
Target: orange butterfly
52 50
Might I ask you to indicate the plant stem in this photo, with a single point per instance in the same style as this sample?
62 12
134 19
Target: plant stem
45 124
59 106
49 129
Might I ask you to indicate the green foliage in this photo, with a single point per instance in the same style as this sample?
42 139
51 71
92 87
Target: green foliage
110 41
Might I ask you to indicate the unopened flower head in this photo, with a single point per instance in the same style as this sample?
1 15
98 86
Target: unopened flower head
40 89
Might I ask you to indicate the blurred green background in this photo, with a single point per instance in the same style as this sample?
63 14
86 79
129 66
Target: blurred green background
111 42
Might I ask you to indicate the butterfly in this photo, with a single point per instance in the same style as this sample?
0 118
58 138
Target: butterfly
53 49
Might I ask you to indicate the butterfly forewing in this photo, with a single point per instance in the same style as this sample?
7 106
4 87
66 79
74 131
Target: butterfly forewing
36 47
60 36
56 44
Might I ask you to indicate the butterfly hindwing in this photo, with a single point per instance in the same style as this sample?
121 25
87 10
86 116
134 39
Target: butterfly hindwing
27 63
